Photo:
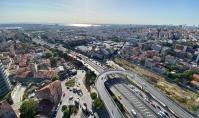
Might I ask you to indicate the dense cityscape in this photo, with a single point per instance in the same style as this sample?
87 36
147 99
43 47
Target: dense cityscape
99 71
99 59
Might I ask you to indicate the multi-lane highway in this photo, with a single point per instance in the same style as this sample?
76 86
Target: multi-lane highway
180 112
109 103
129 99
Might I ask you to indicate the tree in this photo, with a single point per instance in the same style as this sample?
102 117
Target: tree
66 113
90 79
69 110
53 61
55 77
28 109
93 95
98 103
8 98
48 55
65 56
64 107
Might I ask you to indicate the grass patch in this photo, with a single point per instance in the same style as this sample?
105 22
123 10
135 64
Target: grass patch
184 98
70 83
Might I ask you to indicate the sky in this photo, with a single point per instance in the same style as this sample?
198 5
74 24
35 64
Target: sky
100 11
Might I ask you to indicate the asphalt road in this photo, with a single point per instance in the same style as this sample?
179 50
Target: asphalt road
111 106
153 91
131 101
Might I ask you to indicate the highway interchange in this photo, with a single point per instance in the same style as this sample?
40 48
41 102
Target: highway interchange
111 106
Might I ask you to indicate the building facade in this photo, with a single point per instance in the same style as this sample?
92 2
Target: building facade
5 85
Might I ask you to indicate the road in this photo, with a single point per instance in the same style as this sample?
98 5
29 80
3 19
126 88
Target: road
130 100
109 103
153 91
107 99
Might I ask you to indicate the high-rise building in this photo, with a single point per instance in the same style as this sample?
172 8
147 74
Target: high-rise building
5 85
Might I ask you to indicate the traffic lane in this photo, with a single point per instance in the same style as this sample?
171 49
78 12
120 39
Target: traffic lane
111 106
142 108
150 103
127 105
153 104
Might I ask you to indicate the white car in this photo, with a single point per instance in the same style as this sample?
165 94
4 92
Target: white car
134 112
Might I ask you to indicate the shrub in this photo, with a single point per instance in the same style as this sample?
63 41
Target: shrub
93 95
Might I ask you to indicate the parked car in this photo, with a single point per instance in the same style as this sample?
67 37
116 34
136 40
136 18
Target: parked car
71 97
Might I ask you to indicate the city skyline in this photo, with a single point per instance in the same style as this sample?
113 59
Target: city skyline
100 12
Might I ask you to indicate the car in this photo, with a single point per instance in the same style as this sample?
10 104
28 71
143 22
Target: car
147 99
119 97
134 113
84 107
71 97
158 107
161 114
85 104
144 84
166 114
64 94
152 104
141 95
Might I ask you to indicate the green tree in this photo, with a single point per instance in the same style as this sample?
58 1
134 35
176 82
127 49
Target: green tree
65 56
55 77
64 107
90 79
53 61
28 109
48 55
93 95
66 113
98 103
8 98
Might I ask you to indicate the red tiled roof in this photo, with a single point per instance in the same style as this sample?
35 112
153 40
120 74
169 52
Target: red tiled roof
51 88
196 77
45 74
195 83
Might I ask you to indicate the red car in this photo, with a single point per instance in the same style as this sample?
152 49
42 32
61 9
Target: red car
152 104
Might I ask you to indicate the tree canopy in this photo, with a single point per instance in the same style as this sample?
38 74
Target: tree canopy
28 109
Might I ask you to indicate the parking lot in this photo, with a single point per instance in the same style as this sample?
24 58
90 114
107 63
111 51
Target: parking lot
78 93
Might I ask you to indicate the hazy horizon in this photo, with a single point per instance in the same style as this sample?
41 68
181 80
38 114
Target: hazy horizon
65 12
